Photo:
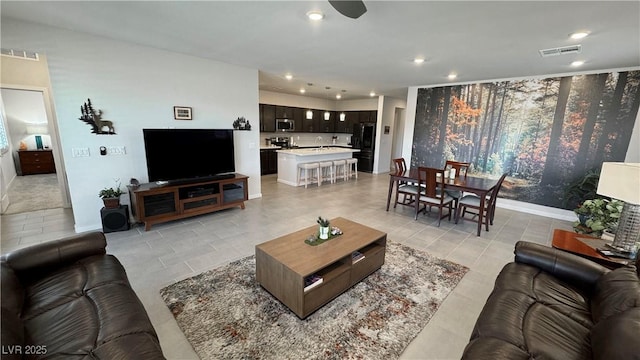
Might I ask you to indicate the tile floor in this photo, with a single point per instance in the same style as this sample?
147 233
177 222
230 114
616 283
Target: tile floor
180 249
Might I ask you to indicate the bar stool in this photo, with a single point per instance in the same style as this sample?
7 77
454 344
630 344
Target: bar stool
340 169
351 163
308 169
326 171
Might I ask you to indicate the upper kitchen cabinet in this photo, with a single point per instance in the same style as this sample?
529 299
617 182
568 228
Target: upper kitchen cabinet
342 126
267 118
284 112
308 124
368 116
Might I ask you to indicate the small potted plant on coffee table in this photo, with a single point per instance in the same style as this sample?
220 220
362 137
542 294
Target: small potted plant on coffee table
324 228
111 196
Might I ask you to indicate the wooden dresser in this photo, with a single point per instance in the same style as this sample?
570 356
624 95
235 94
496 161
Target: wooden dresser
36 162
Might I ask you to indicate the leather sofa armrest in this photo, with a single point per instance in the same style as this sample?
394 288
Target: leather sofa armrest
53 254
567 267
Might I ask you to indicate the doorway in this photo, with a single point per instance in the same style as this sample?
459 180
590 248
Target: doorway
398 135
30 169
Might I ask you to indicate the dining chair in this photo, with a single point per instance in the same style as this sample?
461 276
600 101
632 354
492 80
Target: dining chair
408 190
461 168
473 202
431 192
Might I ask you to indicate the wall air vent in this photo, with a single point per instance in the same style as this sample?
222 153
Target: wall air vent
29 55
573 49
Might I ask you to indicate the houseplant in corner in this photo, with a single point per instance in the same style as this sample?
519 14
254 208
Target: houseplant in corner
597 215
111 196
324 228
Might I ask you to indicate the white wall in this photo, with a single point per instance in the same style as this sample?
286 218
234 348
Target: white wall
274 98
136 87
386 117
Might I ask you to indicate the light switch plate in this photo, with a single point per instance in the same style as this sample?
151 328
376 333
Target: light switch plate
116 150
80 152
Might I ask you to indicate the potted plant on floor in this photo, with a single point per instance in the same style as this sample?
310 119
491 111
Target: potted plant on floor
324 228
111 196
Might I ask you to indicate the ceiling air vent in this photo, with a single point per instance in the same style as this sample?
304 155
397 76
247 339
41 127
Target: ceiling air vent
573 49
30 55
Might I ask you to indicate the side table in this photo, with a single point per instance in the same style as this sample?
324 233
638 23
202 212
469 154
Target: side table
585 246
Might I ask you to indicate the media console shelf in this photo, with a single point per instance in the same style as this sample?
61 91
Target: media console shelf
154 204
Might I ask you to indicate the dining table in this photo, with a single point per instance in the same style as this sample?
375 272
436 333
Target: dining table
466 183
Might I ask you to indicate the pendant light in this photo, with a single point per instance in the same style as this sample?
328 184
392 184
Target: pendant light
327 115
342 116
309 114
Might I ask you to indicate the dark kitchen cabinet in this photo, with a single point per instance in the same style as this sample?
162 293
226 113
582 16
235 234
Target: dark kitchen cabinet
308 125
268 162
368 116
267 118
284 112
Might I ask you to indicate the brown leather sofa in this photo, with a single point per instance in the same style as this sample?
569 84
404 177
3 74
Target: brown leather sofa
549 304
68 299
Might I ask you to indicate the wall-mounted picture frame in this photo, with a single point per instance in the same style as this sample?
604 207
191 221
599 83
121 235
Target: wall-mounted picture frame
182 113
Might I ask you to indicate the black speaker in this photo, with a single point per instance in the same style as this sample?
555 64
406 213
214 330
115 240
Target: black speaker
116 219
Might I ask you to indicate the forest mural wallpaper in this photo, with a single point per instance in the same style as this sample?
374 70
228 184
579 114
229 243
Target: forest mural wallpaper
546 134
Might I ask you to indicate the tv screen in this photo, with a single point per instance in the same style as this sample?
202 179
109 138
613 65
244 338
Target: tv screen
188 154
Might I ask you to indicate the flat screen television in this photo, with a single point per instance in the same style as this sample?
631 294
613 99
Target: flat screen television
188 155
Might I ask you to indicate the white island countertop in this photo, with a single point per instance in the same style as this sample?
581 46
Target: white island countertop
317 151
288 160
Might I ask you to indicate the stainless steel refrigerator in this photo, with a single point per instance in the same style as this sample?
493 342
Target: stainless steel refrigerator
364 138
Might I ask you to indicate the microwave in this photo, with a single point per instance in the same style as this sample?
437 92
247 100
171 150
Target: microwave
285 125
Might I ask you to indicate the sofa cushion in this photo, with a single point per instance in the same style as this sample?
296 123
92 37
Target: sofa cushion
533 311
86 309
616 292
616 337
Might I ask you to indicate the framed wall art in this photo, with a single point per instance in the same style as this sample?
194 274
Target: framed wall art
182 113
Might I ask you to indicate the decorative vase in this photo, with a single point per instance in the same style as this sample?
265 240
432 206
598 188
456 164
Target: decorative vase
324 232
111 203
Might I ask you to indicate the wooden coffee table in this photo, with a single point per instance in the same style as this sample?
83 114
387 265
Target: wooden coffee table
585 246
282 264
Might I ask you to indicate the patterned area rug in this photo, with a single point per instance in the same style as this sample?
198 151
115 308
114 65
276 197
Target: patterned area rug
225 314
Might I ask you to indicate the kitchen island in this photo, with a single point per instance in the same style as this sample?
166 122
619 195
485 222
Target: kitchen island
288 160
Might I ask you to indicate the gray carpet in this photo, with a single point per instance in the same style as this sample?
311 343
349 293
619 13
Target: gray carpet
34 192
225 314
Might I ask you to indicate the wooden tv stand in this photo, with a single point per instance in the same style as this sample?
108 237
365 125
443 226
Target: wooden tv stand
154 204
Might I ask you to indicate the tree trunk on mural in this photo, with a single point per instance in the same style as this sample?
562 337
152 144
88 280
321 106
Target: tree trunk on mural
597 85
611 120
481 127
488 124
496 133
551 172
627 121
474 136
442 136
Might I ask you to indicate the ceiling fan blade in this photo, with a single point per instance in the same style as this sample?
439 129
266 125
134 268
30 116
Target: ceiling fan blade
352 9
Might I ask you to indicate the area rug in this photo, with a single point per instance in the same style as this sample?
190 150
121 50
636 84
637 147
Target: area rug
225 314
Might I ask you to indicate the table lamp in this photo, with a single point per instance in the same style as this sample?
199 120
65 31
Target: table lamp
622 181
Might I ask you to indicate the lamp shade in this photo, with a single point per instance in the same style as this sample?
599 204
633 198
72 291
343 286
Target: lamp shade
327 115
37 128
620 181
309 114
342 116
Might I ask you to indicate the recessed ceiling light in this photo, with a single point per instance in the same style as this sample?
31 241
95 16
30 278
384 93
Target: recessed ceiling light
418 60
452 76
579 35
315 15
288 76
372 94
577 63
302 91
338 96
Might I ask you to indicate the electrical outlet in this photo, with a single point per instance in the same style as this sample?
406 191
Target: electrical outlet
116 150
80 152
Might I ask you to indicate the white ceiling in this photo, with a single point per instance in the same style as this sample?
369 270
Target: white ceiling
478 40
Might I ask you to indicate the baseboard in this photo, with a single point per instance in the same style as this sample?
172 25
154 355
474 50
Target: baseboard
547 211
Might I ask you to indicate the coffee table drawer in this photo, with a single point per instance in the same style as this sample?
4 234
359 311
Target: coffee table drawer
372 262
315 298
